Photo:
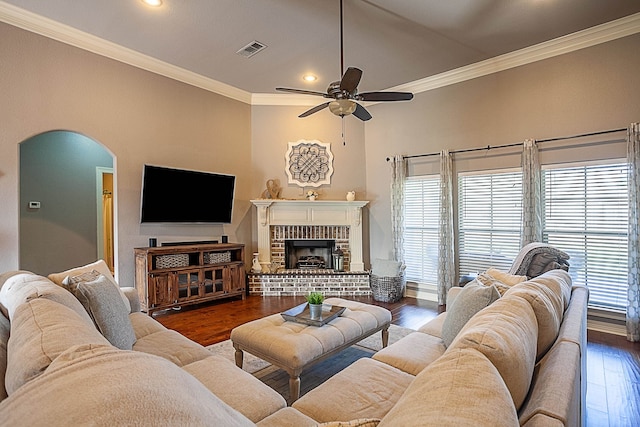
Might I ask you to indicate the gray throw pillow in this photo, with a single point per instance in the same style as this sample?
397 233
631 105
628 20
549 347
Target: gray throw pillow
103 302
469 301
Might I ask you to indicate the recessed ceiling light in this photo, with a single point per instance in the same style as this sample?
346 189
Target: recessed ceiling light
153 3
309 78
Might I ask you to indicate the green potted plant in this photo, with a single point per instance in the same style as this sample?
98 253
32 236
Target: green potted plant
315 300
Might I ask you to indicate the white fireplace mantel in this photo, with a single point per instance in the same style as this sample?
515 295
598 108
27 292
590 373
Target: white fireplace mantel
304 212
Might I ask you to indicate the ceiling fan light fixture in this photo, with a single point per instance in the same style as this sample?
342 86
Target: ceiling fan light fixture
309 78
342 107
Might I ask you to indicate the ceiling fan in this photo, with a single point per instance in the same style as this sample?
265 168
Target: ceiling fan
345 92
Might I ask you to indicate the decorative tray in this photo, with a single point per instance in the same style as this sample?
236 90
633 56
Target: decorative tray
301 314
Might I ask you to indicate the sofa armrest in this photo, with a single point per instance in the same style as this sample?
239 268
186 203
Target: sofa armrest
132 296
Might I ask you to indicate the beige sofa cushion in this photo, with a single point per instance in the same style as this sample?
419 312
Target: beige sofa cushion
506 278
412 353
172 346
471 300
506 333
364 389
105 386
100 266
103 302
237 388
40 331
502 281
144 325
21 287
434 326
287 417
462 388
547 307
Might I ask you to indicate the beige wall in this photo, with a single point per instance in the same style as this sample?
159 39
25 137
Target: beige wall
588 90
138 116
144 118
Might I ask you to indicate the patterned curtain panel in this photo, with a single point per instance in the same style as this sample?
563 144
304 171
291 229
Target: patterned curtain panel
446 262
531 195
398 176
633 305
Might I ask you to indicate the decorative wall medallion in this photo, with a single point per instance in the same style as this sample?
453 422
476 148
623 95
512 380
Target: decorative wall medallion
309 163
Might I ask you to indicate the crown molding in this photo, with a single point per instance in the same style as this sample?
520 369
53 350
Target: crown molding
603 33
63 33
593 36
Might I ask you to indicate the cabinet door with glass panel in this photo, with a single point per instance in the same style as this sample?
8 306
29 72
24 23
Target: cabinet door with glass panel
186 284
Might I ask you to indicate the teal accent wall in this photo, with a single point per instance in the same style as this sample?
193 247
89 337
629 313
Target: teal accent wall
58 169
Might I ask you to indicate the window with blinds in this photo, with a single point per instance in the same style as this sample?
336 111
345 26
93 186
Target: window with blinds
421 208
586 215
489 213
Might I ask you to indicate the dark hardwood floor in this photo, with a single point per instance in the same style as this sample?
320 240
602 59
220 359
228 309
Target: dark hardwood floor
613 363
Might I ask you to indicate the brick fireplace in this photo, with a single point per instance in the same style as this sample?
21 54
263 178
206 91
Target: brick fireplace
321 223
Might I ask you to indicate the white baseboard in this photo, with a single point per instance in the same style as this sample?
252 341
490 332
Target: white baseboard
606 327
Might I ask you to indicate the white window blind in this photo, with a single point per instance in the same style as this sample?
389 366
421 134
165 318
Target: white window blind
489 213
586 215
421 207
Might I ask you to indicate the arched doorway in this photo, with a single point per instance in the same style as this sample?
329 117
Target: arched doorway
61 200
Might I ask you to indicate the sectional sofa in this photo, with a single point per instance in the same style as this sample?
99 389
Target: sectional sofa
519 360
77 351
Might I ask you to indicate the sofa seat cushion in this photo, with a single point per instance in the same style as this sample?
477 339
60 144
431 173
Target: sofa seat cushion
172 346
434 326
556 374
287 417
471 300
105 386
21 287
103 302
144 325
237 388
506 333
41 330
462 388
100 267
412 353
364 389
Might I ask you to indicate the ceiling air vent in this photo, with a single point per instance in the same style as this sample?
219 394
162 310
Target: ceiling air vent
251 49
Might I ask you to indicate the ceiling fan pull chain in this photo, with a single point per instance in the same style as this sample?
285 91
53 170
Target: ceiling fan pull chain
344 143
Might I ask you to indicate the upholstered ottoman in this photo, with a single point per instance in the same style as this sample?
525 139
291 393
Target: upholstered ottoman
294 346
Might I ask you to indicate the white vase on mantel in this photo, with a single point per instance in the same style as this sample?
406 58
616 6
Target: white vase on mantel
255 265
311 198
351 196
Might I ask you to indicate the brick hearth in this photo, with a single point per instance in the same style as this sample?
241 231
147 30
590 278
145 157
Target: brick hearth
301 282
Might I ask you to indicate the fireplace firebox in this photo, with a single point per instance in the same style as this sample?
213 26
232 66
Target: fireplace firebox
313 254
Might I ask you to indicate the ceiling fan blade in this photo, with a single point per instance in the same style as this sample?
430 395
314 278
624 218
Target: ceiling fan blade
302 92
385 96
314 110
362 113
351 79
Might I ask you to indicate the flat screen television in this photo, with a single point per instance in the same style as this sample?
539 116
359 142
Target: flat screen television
186 196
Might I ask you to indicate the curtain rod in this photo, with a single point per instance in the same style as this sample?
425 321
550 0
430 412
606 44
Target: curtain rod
515 144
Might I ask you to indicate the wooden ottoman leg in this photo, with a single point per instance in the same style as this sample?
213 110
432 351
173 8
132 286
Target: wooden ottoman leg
294 387
239 355
385 336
